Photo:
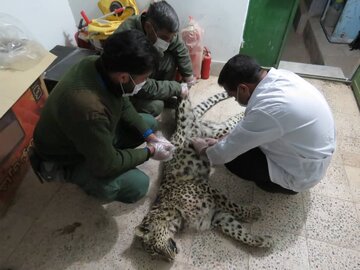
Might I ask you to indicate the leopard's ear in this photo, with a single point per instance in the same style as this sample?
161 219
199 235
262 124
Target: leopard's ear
141 231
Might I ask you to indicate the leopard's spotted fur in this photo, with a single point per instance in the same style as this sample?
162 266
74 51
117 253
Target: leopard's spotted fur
185 199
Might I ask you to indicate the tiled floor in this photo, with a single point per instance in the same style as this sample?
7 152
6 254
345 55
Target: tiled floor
56 226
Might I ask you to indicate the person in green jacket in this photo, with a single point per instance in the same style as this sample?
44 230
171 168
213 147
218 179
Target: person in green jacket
88 128
161 25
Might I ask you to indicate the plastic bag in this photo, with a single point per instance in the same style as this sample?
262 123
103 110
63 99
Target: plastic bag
18 51
192 36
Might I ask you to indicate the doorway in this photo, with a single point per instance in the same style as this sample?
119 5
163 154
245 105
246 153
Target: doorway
308 43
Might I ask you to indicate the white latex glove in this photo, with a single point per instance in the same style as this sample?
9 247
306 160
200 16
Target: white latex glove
163 140
162 151
184 90
190 81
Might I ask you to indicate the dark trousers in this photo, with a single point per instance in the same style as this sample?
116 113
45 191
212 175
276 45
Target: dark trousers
253 166
128 187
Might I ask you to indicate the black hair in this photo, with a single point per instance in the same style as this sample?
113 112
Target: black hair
239 69
163 16
129 51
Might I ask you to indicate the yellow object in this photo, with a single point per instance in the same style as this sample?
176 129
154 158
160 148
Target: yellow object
102 29
107 6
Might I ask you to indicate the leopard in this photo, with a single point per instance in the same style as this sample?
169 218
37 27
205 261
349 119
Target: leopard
185 199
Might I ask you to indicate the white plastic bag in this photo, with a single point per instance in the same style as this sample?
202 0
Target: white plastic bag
192 35
18 50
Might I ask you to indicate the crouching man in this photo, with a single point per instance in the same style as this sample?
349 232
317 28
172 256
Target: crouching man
88 129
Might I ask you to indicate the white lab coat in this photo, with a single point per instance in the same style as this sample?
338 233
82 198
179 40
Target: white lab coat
291 122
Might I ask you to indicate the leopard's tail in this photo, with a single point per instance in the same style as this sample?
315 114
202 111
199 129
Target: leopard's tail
203 107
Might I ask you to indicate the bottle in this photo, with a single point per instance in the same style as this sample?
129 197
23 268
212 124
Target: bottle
206 63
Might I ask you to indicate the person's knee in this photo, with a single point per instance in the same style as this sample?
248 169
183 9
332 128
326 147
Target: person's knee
133 188
155 107
150 120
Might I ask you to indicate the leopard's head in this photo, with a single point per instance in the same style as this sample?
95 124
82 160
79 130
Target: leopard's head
157 240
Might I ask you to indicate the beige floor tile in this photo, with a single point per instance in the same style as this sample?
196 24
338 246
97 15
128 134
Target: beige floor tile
353 175
5 252
212 250
337 159
32 196
128 257
357 205
289 252
342 103
347 125
339 96
13 228
323 256
73 228
350 150
203 89
335 184
333 221
351 159
114 258
236 189
280 212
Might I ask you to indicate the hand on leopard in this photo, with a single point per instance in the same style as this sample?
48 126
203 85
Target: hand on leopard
211 141
200 145
190 81
161 151
184 90
162 140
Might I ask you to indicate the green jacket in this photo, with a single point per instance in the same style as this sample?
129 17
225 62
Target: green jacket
79 120
159 88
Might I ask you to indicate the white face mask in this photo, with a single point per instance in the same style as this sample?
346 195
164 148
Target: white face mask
137 88
161 45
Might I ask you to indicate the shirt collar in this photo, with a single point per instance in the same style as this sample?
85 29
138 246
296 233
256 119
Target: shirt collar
105 80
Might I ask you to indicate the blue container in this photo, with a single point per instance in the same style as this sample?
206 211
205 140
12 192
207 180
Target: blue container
347 24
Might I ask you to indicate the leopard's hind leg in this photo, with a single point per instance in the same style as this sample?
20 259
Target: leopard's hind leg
232 227
241 212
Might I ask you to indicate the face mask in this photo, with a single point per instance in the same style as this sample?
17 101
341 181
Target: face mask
136 89
161 45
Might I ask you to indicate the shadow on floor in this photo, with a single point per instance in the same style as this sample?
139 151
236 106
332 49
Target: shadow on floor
74 228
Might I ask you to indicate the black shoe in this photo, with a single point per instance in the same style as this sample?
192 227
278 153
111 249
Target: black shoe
171 103
44 170
274 188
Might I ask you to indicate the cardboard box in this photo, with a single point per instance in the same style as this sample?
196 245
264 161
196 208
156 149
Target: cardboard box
22 95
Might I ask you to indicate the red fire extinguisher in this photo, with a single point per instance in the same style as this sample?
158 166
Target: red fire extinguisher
205 65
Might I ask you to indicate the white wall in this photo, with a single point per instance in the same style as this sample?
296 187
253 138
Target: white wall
50 21
223 22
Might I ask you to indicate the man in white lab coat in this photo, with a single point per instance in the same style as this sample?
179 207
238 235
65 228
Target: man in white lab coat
286 139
